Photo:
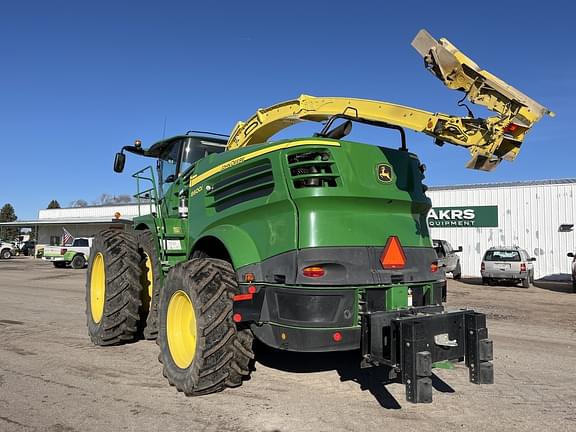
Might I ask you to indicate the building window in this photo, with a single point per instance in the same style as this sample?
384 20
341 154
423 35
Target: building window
55 240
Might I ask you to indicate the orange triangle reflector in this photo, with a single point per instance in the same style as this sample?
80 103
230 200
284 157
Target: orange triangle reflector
393 256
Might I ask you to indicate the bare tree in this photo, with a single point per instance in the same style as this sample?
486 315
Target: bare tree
79 203
107 199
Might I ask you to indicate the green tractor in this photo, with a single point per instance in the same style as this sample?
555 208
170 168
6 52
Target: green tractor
313 244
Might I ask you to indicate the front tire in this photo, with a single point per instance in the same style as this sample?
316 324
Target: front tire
200 347
6 254
113 288
457 273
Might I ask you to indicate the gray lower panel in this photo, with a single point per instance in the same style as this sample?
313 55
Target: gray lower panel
344 266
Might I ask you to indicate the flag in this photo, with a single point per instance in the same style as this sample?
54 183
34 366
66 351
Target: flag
67 237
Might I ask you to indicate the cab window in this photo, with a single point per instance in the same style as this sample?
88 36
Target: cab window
169 160
195 149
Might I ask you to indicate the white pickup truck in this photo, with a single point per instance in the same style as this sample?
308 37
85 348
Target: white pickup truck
6 250
76 254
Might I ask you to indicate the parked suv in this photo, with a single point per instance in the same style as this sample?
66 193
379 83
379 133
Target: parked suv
447 257
507 263
573 256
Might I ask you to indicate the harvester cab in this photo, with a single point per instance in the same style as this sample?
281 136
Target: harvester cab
175 161
311 244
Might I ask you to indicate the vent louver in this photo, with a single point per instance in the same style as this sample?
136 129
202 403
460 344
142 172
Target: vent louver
243 185
314 168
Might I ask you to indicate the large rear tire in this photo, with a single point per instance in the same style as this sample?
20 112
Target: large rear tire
113 288
200 347
151 281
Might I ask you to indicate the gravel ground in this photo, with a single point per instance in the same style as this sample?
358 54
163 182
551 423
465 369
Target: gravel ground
53 379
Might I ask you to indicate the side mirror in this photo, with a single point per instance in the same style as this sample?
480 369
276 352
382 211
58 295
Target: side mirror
459 249
532 259
170 179
570 254
119 162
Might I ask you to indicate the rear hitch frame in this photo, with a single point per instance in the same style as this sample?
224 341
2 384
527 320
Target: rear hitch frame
410 341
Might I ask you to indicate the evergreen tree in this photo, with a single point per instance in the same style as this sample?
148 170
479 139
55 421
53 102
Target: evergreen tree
7 214
53 205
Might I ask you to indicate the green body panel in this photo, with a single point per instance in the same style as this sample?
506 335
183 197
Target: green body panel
145 222
251 231
359 211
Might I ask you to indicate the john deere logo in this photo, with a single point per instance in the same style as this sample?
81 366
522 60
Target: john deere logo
384 173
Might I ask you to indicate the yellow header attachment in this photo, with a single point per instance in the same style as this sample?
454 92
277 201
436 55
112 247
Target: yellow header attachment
517 112
489 140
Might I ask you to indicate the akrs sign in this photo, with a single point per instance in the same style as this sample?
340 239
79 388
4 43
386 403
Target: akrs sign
463 217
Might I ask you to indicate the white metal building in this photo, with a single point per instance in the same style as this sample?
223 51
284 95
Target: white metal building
78 221
538 216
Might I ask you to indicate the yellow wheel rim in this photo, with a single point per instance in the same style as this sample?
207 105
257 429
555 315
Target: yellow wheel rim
181 329
97 288
149 274
147 282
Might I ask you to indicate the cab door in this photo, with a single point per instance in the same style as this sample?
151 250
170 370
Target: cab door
170 181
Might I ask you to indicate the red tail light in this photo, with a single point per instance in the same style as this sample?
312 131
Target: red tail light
314 272
522 267
393 256
241 297
63 251
434 267
482 267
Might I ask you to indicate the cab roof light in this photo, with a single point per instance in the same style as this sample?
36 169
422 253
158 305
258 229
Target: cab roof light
393 256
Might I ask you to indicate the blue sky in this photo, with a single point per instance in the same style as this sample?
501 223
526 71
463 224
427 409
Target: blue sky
80 79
